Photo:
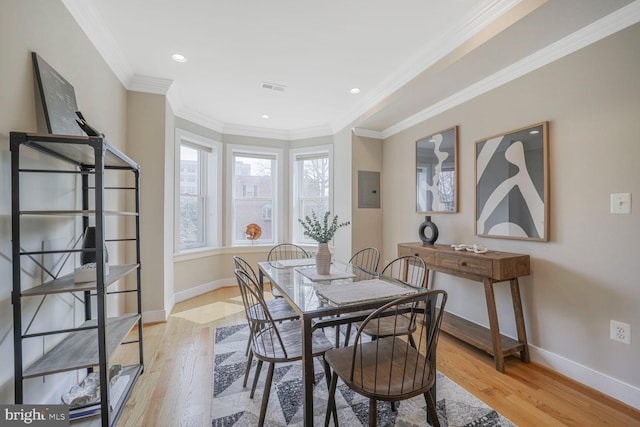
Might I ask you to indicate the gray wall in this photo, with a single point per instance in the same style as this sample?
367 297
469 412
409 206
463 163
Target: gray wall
587 274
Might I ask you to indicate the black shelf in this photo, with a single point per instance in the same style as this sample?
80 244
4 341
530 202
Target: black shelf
80 349
91 344
66 283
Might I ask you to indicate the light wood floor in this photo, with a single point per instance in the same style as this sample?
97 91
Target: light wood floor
176 387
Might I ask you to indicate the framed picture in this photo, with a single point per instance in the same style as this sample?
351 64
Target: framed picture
436 172
57 99
512 184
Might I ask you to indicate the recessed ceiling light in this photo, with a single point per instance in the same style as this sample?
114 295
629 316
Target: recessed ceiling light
178 58
534 132
355 91
265 116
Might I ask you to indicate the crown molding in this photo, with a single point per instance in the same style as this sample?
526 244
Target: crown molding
99 34
148 84
604 27
367 133
311 132
199 118
479 18
257 132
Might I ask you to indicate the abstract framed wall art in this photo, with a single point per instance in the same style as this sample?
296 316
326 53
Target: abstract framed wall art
512 184
436 172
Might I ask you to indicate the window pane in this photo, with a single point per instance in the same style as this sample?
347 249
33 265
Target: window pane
190 166
192 200
253 177
253 190
312 190
249 211
191 221
315 177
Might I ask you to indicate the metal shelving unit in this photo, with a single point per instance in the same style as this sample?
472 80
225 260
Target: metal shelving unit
91 344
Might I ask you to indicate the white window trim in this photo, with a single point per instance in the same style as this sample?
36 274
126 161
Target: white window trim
213 223
293 155
278 202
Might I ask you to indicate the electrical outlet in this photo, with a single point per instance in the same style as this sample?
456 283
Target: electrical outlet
620 332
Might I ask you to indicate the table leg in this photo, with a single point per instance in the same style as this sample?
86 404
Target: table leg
519 316
261 280
498 355
307 371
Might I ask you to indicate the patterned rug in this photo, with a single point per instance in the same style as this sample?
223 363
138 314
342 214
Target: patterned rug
232 406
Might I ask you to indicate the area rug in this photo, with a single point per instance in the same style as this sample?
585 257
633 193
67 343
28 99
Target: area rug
232 406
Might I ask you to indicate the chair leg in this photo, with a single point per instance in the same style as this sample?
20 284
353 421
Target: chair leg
373 412
431 409
265 395
256 375
331 403
327 375
393 406
251 331
247 369
412 341
347 335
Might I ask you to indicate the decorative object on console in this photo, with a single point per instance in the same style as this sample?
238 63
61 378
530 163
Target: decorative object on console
475 248
322 231
436 172
428 231
253 231
512 185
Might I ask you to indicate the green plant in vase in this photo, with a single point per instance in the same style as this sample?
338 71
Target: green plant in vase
322 231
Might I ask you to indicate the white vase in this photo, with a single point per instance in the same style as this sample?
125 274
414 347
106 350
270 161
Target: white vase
323 259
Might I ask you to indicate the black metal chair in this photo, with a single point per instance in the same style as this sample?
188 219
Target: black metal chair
279 309
367 259
391 368
285 251
411 270
273 342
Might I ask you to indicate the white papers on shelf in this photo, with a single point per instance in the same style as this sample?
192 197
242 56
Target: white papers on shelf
117 390
87 272
364 290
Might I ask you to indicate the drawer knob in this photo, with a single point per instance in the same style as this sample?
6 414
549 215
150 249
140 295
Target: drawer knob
463 263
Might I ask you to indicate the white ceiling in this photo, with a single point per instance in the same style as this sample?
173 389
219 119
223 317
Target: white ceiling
410 58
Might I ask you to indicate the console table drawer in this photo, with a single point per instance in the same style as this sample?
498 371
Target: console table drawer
471 265
428 256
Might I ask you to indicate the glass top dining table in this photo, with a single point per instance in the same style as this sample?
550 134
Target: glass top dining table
320 299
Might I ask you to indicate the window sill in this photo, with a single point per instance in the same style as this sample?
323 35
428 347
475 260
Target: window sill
211 251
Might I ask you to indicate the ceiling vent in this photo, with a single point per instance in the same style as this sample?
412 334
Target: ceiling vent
273 86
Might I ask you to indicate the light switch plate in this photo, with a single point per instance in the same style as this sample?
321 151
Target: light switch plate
620 203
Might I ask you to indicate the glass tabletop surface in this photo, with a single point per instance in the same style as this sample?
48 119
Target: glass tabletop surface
347 288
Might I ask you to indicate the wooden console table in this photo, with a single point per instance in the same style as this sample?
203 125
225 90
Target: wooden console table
488 268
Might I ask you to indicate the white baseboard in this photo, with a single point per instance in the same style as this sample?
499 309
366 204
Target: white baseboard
619 390
203 289
154 316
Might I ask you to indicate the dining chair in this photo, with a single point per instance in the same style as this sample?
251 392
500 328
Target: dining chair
366 259
279 309
285 251
390 368
273 342
409 269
